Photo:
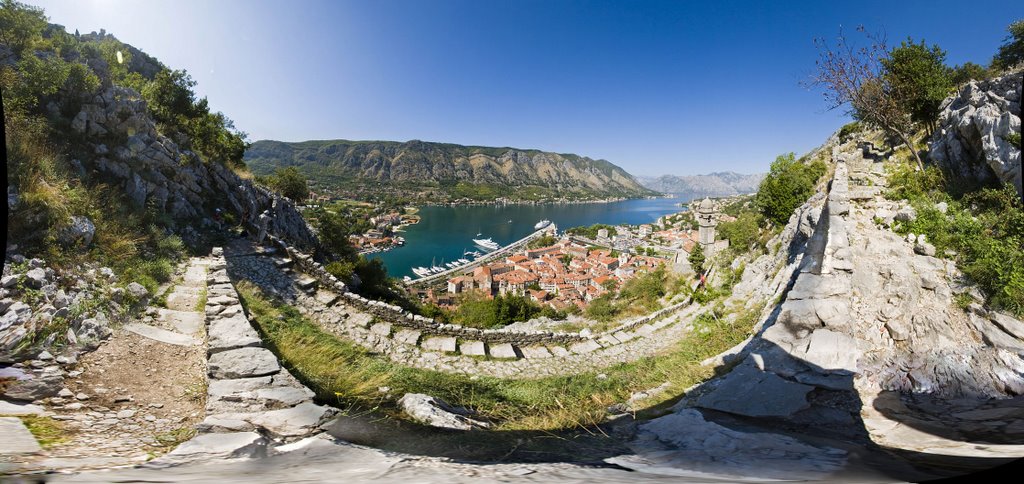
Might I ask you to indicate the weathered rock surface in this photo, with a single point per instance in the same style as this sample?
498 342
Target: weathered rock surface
973 128
243 363
755 393
438 413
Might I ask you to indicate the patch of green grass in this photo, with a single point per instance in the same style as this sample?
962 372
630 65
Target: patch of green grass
171 439
201 303
47 431
347 375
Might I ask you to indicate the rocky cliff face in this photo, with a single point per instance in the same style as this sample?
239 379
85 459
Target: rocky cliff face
721 184
973 129
128 150
419 162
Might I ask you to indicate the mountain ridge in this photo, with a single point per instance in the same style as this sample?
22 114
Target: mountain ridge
427 165
715 184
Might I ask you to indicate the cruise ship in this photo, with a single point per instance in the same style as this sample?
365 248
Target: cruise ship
542 224
487 244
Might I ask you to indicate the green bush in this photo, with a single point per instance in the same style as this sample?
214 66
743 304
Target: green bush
591 231
476 311
984 227
290 183
788 185
849 129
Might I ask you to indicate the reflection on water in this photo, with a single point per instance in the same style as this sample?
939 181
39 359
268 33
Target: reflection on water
445 233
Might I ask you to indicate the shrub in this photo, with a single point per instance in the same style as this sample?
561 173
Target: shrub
290 183
1011 52
789 184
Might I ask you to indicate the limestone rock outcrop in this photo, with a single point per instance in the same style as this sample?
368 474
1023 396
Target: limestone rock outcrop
973 129
154 171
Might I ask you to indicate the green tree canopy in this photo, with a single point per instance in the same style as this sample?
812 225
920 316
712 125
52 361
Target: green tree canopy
21 25
290 183
696 258
969 71
1011 52
918 78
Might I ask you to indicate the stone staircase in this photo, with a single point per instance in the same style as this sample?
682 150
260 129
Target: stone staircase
181 323
250 396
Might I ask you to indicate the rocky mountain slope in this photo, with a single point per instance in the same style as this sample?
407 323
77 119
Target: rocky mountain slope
718 184
978 123
425 164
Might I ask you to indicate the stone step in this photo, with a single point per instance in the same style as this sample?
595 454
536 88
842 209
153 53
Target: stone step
182 301
16 438
161 335
185 322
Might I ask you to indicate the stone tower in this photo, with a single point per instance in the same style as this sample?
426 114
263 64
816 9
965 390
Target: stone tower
707 218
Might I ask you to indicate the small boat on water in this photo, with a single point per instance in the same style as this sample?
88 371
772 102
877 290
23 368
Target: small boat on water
407 279
542 224
463 261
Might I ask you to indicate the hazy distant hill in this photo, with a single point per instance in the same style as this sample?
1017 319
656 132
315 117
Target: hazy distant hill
712 185
452 169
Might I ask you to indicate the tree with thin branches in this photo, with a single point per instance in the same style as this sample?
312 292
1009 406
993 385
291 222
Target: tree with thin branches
854 77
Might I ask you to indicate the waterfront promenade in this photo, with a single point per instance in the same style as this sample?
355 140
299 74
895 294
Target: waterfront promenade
486 259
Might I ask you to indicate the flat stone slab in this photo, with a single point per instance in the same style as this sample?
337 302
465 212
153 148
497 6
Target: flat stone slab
185 322
297 421
1011 325
473 348
609 340
829 350
16 438
306 283
230 333
408 336
755 393
559 351
584 347
382 329
222 300
161 335
684 445
182 301
216 446
440 343
11 408
362 320
623 336
535 352
243 363
502 350
326 298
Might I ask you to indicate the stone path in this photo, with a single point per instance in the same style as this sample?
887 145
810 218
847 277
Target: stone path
250 396
411 347
136 396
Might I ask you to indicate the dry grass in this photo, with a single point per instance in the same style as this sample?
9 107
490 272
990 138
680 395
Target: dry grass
347 375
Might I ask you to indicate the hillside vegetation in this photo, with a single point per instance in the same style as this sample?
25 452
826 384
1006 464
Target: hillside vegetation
58 209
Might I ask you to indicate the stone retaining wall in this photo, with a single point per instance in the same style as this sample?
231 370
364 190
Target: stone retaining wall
391 321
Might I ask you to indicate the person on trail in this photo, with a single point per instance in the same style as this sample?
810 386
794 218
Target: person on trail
264 221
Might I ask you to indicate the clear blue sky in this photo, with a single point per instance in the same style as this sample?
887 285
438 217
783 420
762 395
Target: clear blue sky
655 87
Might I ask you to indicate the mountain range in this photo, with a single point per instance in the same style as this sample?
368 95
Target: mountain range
447 169
719 184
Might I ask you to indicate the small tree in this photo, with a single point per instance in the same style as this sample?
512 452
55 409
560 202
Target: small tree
918 79
853 77
697 258
967 72
290 183
1011 52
